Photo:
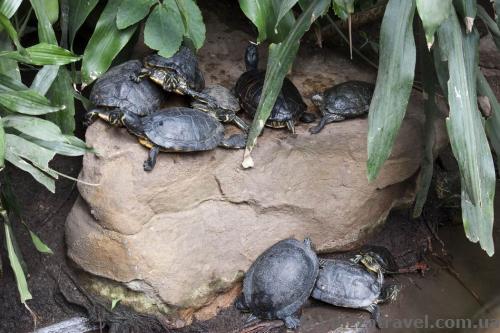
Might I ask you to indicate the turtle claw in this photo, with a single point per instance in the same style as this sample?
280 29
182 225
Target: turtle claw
292 322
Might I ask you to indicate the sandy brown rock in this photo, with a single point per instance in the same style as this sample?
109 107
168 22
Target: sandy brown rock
186 232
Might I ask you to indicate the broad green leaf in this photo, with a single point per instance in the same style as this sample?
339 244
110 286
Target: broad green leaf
27 102
38 175
9 84
42 54
281 57
22 284
467 136
61 93
343 8
34 127
8 67
194 28
72 147
493 28
285 7
39 245
44 78
11 31
45 32
9 7
164 29
39 156
493 122
264 15
52 9
78 12
105 43
132 11
467 11
394 82
433 13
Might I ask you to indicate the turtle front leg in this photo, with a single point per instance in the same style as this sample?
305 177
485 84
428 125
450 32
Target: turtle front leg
235 141
292 322
241 124
330 118
149 164
290 124
138 77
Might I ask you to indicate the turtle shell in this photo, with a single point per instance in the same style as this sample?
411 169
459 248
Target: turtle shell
281 279
289 104
344 283
183 129
349 99
223 97
115 89
184 63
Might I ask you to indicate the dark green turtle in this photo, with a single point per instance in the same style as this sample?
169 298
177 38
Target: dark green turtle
227 105
175 129
180 73
289 106
346 284
280 281
114 90
343 101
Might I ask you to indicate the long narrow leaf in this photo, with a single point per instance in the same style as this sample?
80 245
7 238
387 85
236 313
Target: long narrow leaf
71 147
9 84
467 137
39 244
394 82
34 127
467 10
285 7
493 122
27 102
44 79
281 57
39 156
11 31
9 7
22 284
2 147
45 32
61 93
42 54
8 67
105 43
36 173
493 28
79 10
433 13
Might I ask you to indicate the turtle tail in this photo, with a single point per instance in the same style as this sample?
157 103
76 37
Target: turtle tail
251 57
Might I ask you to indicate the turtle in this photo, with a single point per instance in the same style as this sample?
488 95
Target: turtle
175 129
115 91
375 258
289 106
227 105
343 101
347 284
180 73
280 281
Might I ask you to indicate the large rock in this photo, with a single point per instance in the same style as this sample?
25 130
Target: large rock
185 233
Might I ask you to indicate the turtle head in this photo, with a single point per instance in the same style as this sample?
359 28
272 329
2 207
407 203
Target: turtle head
251 57
317 99
110 116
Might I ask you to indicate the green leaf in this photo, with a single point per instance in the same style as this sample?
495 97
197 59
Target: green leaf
45 32
285 7
2 147
164 29
467 10
132 11
467 135
343 8
27 102
441 67
52 9
38 175
193 22
72 147
114 303
42 54
496 6
39 245
9 7
39 156
433 13
493 28
9 84
11 31
78 12
264 15
493 122
105 43
34 127
62 93
44 79
281 57
22 284
8 67
394 82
